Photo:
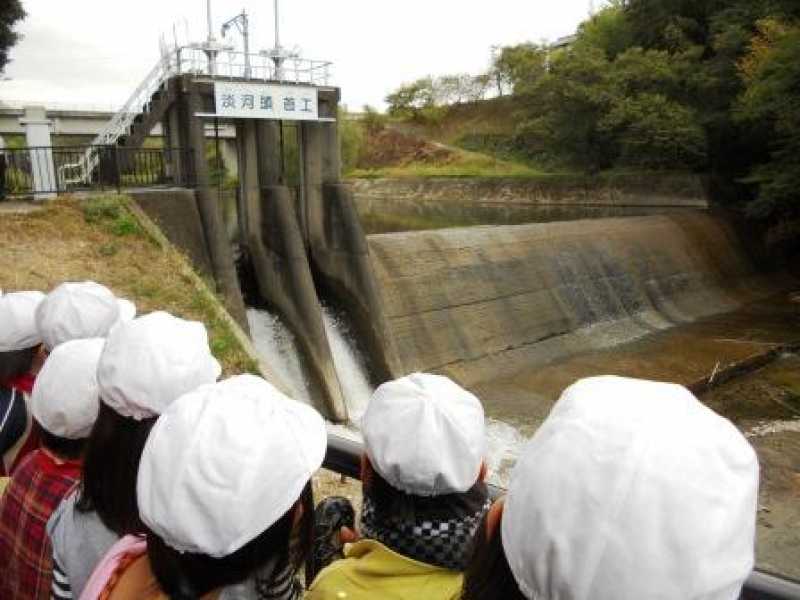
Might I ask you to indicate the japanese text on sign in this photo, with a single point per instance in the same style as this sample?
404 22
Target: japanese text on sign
264 101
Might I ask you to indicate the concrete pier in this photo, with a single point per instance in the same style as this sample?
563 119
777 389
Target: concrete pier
284 279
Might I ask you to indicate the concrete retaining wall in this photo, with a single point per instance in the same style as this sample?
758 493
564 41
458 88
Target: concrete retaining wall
175 212
496 201
483 302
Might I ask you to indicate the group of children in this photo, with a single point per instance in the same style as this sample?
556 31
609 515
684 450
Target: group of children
134 473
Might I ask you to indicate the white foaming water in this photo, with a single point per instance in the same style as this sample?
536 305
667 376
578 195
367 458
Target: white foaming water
350 367
504 443
277 347
275 343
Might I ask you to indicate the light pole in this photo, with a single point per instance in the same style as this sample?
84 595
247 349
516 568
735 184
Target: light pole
243 25
211 48
277 27
210 24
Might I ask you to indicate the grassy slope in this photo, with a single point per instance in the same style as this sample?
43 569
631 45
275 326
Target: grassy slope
477 137
99 239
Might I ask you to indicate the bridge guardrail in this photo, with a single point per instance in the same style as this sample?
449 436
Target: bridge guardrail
30 171
344 456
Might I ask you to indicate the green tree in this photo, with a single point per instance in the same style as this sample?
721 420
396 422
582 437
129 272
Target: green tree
609 30
566 104
11 12
351 137
409 99
517 66
374 121
654 131
771 73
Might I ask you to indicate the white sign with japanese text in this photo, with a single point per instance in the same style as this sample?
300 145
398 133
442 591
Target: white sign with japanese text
266 101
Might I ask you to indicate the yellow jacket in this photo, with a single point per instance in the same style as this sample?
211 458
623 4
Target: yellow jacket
371 571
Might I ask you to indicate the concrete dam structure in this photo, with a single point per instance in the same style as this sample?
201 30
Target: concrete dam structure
482 303
477 303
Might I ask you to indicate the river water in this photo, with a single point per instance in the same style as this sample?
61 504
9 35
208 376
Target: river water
277 347
765 404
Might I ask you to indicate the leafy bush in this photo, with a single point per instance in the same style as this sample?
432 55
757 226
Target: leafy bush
111 213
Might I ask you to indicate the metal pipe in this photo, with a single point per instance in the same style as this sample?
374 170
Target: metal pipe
208 16
277 28
246 36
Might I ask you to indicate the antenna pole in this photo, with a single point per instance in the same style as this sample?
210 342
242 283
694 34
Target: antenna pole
210 26
246 36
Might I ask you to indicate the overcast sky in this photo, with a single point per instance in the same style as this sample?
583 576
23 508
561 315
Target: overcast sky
97 51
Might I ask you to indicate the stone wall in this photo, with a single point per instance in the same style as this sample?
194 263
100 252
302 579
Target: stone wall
467 202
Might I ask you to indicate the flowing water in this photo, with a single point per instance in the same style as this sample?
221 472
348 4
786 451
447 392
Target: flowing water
277 346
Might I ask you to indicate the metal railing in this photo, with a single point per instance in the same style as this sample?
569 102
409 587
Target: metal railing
344 456
194 60
238 65
52 169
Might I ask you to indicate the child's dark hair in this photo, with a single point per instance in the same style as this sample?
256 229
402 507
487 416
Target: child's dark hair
16 363
189 576
62 447
391 503
488 575
110 468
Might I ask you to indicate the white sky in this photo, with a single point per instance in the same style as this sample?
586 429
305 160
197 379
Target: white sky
95 52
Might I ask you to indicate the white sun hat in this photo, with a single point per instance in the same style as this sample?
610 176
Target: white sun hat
632 489
66 398
425 435
80 310
225 462
18 329
150 361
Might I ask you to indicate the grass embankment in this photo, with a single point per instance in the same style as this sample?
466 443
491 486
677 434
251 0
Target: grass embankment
470 140
101 239
394 152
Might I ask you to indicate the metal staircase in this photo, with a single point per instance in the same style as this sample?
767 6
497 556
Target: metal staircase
120 124
148 103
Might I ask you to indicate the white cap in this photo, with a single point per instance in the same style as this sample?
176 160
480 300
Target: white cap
80 310
425 435
632 489
66 398
151 361
225 462
18 329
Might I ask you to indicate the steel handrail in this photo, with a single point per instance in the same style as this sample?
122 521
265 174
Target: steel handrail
344 456
120 122
234 64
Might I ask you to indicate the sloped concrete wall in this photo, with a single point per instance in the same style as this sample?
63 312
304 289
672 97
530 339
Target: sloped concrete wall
340 259
175 212
284 279
484 302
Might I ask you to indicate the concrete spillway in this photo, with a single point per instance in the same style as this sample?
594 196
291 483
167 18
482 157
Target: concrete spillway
482 303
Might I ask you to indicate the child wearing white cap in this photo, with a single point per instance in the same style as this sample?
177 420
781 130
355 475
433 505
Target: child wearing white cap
423 491
629 490
64 404
223 487
20 360
147 363
80 310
